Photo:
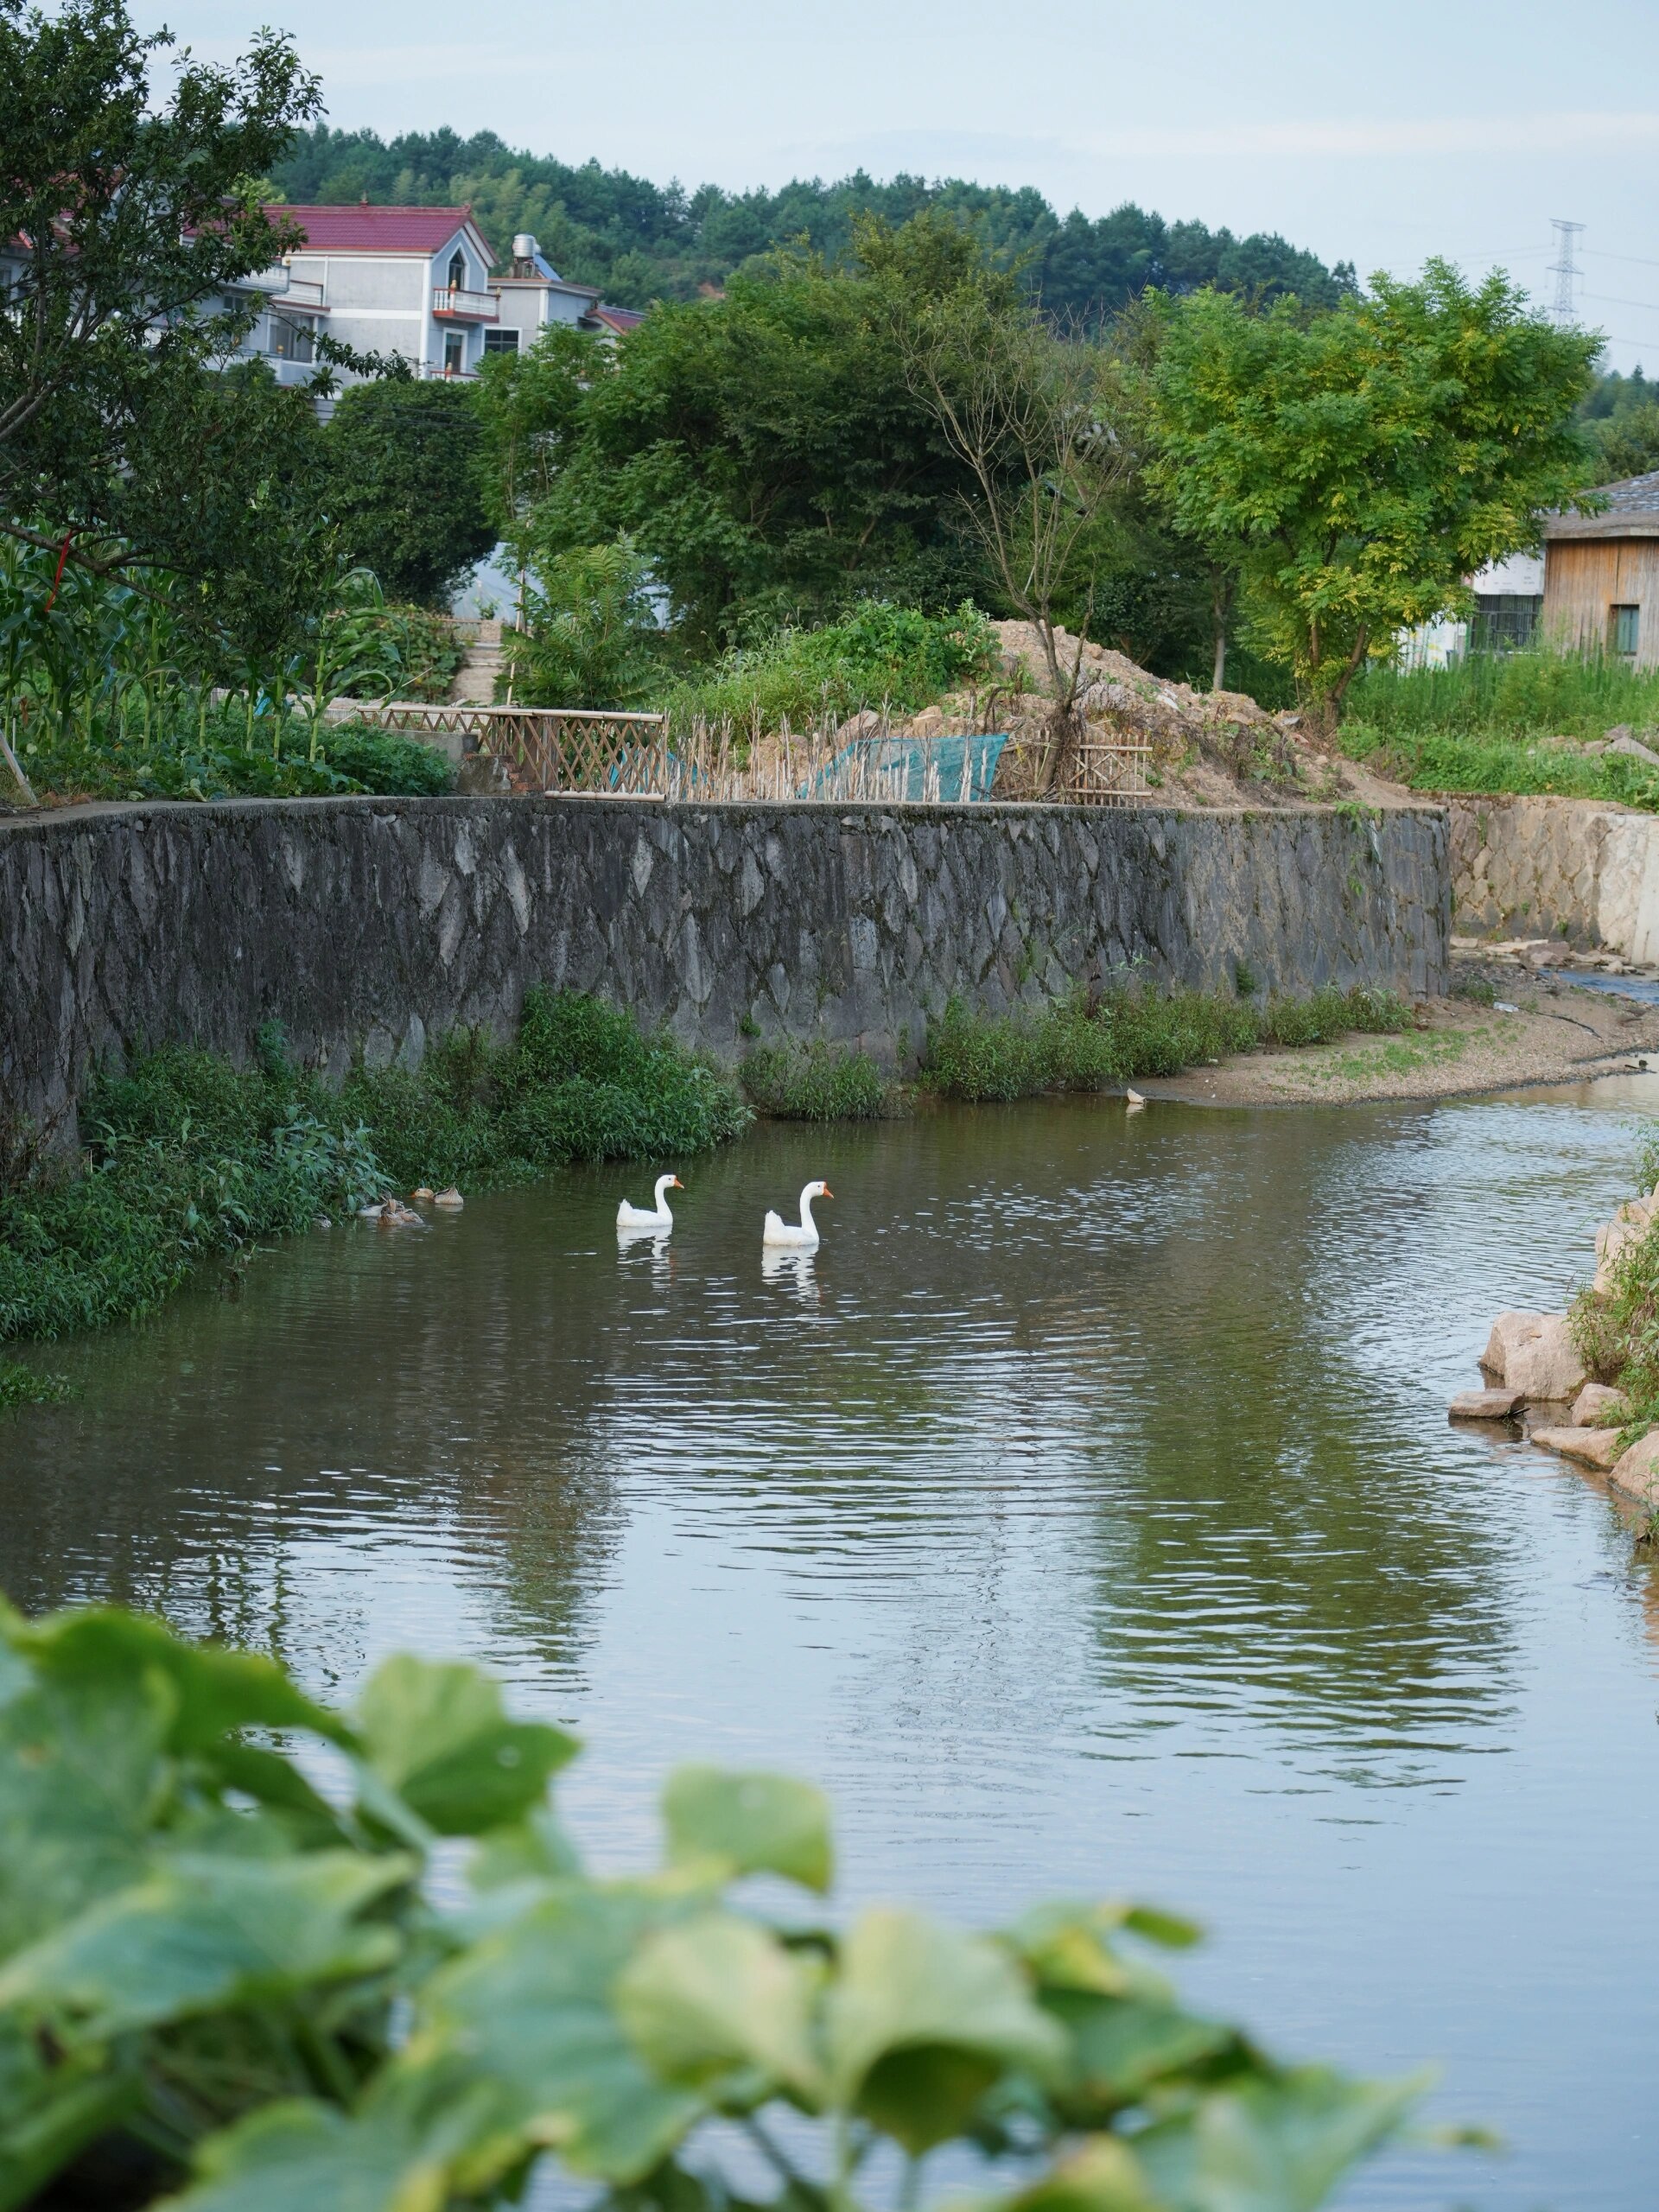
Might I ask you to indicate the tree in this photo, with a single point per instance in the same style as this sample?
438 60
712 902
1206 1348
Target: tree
1359 465
590 636
765 452
1024 412
134 214
404 474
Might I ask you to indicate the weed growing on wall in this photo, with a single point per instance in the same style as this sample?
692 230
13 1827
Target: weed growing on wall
224 1990
817 1082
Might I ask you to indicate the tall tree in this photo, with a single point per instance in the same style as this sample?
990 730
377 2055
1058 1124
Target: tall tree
1359 465
135 215
405 485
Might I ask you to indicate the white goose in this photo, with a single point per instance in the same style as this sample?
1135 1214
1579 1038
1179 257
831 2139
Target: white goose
801 1237
651 1217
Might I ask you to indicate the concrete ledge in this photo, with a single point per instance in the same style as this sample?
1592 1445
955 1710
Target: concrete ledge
371 925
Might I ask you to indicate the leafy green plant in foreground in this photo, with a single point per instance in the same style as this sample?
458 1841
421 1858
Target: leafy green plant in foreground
816 1082
227 1989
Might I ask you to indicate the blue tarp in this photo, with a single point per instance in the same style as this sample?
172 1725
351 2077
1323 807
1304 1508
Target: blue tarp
911 768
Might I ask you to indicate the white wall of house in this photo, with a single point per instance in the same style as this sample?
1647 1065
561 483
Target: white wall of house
386 303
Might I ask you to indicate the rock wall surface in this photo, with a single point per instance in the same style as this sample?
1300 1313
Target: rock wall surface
1548 867
371 925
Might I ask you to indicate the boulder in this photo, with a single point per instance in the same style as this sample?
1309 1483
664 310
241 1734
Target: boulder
1637 1473
1510 1333
1598 1406
1483 1405
1547 1366
1593 1447
1628 1226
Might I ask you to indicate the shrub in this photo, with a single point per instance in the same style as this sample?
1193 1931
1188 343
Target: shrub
880 655
1070 1046
383 762
580 1081
218 1980
817 1082
27 1386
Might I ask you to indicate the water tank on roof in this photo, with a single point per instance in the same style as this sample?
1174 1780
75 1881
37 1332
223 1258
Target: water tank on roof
524 246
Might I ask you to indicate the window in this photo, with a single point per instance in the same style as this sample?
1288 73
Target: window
457 272
1625 626
1504 621
454 353
500 341
289 341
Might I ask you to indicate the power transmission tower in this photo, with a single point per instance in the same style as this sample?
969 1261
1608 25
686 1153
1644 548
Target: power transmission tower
1565 270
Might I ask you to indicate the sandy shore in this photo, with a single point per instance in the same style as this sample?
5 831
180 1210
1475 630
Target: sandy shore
1556 1035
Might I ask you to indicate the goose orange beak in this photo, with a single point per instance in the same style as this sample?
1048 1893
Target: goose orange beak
828 1192
677 1184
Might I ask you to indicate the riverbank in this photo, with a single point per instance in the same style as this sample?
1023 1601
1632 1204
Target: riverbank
1530 1033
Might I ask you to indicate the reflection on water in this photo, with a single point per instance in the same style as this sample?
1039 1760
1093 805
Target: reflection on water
1084 1512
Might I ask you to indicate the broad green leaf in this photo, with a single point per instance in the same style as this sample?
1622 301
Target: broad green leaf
1069 1946
50 2111
439 1734
527 2012
922 2019
296 2156
82 1773
216 1690
1120 2046
202 1933
1279 2145
732 1824
1103 2176
716 1993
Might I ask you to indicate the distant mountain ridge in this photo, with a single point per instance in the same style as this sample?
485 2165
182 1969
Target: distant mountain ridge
640 241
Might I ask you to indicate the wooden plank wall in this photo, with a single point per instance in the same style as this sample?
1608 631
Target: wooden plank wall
1583 577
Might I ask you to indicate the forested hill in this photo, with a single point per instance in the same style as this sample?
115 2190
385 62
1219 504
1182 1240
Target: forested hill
640 241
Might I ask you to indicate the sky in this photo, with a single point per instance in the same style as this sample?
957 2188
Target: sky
1379 135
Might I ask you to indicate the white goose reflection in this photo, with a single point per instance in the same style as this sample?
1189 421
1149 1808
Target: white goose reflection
797 1266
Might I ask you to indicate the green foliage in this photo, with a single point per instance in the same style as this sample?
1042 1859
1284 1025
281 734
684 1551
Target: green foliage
190 1160
763 453
1519 695
1452 763
816 1082
217 1981
381 761
1072 1045
590 636
1622 414
878 655
1359 465
642 242
27 1386
404 464
580 1081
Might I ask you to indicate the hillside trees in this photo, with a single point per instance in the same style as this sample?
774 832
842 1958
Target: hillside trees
1357 465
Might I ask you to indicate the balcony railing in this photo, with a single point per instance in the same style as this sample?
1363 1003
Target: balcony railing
465 307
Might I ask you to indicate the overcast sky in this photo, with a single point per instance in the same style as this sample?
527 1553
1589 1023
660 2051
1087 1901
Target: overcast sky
1378 134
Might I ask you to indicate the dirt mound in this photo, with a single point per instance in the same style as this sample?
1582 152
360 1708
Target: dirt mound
1205 748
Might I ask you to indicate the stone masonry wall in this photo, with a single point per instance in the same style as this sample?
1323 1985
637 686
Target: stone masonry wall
1557 867
372 924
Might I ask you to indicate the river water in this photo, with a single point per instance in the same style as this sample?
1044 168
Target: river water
1086 1518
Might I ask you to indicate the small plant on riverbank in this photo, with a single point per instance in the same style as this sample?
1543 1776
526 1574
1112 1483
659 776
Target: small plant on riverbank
580 1081
1071 1045
1618 1334
224 1988
817 1082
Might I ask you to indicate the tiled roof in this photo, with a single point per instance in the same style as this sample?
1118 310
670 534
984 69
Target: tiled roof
617 319
357 229
1632 511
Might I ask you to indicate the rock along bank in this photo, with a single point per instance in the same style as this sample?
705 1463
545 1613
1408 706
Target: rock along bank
372 924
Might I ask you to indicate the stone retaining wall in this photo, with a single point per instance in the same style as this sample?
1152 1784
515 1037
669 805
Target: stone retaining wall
366 924
1572 868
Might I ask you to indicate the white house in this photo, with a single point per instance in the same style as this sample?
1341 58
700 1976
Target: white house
532 296
413 281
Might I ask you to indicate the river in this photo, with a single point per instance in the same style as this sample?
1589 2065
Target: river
1086 1517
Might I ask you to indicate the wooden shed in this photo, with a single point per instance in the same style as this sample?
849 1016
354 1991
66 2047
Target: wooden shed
1601 575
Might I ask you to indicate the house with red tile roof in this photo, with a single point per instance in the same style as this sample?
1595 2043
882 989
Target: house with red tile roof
413 281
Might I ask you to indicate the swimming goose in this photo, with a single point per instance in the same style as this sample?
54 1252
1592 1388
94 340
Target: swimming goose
652 1217
778 1231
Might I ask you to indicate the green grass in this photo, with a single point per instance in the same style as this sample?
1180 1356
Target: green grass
1508 722
879 655
817 1082
192 1160
1072 1045
213 751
